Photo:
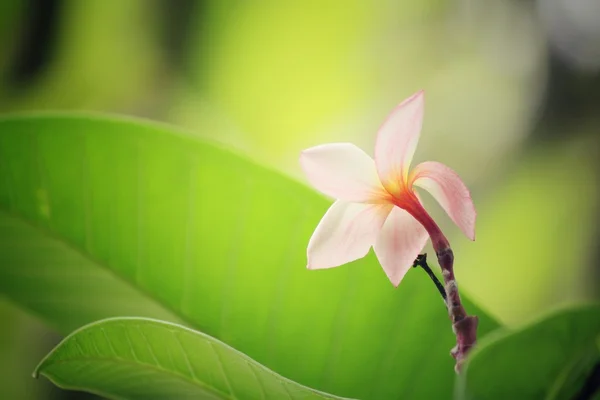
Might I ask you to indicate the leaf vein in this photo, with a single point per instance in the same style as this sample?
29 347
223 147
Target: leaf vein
109 342
130 343
260 385
145 338
220 363
185 356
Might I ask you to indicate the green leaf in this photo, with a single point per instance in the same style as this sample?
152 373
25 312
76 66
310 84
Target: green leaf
545 360
159 217
139 358
48 277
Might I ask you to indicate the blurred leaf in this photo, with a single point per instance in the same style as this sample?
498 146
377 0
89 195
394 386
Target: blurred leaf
219 240
136 358
11 12
535 239
105 57
535 362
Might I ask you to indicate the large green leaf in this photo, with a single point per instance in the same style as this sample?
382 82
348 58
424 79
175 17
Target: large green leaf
545 360
49 278
138 358
215 238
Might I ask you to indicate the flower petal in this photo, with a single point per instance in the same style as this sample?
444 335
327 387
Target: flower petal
450 191
397 140
400 241
342 171
346 233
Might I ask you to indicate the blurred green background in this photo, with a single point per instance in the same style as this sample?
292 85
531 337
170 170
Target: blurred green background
512 104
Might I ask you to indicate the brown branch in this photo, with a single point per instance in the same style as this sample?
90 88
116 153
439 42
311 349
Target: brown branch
463 325
421 261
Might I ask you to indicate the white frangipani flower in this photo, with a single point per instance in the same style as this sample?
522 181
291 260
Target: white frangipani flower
377 205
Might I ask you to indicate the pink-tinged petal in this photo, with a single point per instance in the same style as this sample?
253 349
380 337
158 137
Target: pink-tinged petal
342 171
450 191
397 140
400 241
346 233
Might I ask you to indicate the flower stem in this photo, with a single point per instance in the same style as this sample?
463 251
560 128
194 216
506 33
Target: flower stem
464 326
421 261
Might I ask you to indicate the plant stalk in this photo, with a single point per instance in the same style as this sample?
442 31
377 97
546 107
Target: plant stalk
464 326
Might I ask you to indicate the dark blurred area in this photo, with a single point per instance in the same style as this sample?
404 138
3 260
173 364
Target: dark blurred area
513 104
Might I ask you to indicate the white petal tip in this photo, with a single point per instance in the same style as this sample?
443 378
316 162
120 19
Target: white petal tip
395 284
302 157
469 233
314 267
306 153
417 95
